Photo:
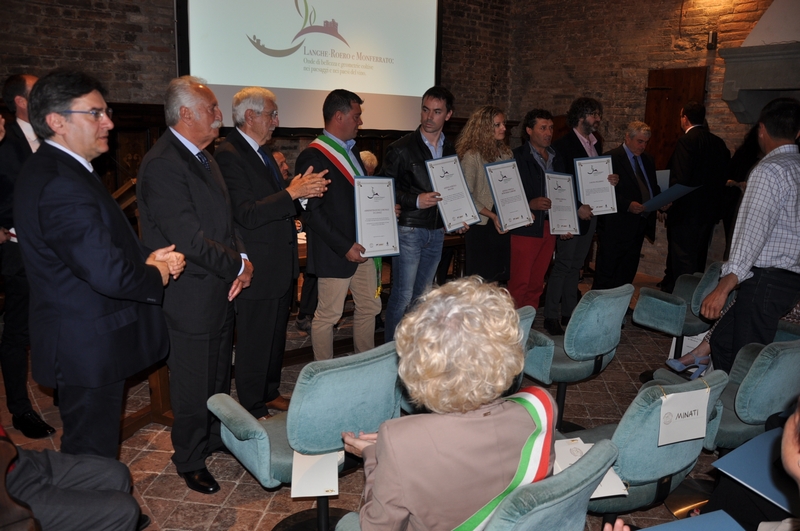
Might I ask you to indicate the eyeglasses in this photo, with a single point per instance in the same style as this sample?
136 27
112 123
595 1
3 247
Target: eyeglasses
95 113
596 114
273 114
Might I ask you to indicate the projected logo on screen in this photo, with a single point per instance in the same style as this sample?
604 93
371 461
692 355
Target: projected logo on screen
329 27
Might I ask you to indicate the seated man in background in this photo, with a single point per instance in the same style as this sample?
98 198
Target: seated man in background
459 373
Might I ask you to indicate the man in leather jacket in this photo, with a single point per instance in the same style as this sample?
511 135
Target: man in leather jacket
421 229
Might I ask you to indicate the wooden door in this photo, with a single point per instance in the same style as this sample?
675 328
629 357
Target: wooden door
667 91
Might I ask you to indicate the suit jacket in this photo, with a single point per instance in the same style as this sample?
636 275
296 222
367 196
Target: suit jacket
700 159
569 148
14 151
94 304
181 202
533 182
422 472
264 214
627 191
330 220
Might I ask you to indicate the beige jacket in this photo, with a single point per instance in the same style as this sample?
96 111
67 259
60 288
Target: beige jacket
474 173
432 472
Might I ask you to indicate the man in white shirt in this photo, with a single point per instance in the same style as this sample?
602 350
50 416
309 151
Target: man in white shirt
765 254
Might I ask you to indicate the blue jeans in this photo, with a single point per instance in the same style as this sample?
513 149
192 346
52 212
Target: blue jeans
412 271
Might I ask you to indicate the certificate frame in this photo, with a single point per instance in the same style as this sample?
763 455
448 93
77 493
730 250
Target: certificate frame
456 206
376 222
563 211
593 186
509 197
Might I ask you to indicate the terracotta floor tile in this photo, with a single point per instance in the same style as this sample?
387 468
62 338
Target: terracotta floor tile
160 508
151 461
224 469
218 498
247 496
192 517
269 521
236 520
167 486
282 502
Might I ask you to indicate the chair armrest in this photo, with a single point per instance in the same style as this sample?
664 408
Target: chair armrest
709 442
239 422
743 362
660 311
666 376
539 357
349 522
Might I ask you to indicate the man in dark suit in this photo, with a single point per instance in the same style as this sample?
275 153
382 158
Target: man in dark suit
532 247
19 144
264 209
183 199
621 235
334 255
584 117
95 292
700 159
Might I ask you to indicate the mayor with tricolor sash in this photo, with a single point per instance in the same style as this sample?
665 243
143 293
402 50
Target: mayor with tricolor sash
334 255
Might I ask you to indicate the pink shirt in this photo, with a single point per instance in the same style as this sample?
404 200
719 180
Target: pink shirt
588 143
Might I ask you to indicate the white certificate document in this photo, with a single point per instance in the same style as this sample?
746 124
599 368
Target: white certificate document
510 200
593 186
563 212
456 206
376 223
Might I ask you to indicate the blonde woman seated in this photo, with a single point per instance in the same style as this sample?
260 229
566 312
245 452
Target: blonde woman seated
459 351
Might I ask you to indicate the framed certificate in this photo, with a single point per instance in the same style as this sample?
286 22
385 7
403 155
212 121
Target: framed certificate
509 197
593 186
376 223
456 206
563 211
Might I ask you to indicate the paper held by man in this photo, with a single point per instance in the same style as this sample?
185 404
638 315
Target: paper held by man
456 206
376 223
509 196
593 186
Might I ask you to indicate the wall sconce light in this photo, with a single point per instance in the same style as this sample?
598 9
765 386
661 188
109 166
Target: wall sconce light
712 41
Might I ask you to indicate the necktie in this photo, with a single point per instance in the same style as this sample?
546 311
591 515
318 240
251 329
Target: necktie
644 186
204 160
270 167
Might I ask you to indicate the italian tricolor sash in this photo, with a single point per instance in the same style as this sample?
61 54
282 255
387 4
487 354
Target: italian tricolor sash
338 157
535 456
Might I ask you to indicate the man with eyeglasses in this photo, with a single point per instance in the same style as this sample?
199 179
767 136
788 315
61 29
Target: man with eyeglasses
95 290
264 208
584 117
20 143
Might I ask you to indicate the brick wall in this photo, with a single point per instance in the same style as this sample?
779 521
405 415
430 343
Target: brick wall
128 44
515 54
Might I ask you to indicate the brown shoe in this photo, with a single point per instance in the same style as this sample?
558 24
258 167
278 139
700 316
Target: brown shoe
280 403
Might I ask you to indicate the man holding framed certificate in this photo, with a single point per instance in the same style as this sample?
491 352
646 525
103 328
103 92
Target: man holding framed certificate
532 246
420 227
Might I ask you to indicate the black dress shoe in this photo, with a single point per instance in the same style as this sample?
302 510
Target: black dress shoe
144 522
32 426
553 328
200 480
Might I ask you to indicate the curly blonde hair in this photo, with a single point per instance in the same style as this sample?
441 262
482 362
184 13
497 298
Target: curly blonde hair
460 347
478 135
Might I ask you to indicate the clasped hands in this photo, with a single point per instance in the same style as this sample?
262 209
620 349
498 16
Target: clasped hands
355 445
168 261
310 184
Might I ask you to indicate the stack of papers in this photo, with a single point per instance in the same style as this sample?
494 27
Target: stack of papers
568 451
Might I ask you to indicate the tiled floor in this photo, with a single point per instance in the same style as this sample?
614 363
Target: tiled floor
242 504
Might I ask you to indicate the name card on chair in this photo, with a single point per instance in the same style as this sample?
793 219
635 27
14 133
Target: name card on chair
683 416
315 475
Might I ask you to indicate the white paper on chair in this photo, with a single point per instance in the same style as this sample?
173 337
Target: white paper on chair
683 416
315 475
570 450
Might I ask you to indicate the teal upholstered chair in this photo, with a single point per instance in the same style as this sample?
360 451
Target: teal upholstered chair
649 471
526 316
353 393
678 313
763 381
587 346
557 502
